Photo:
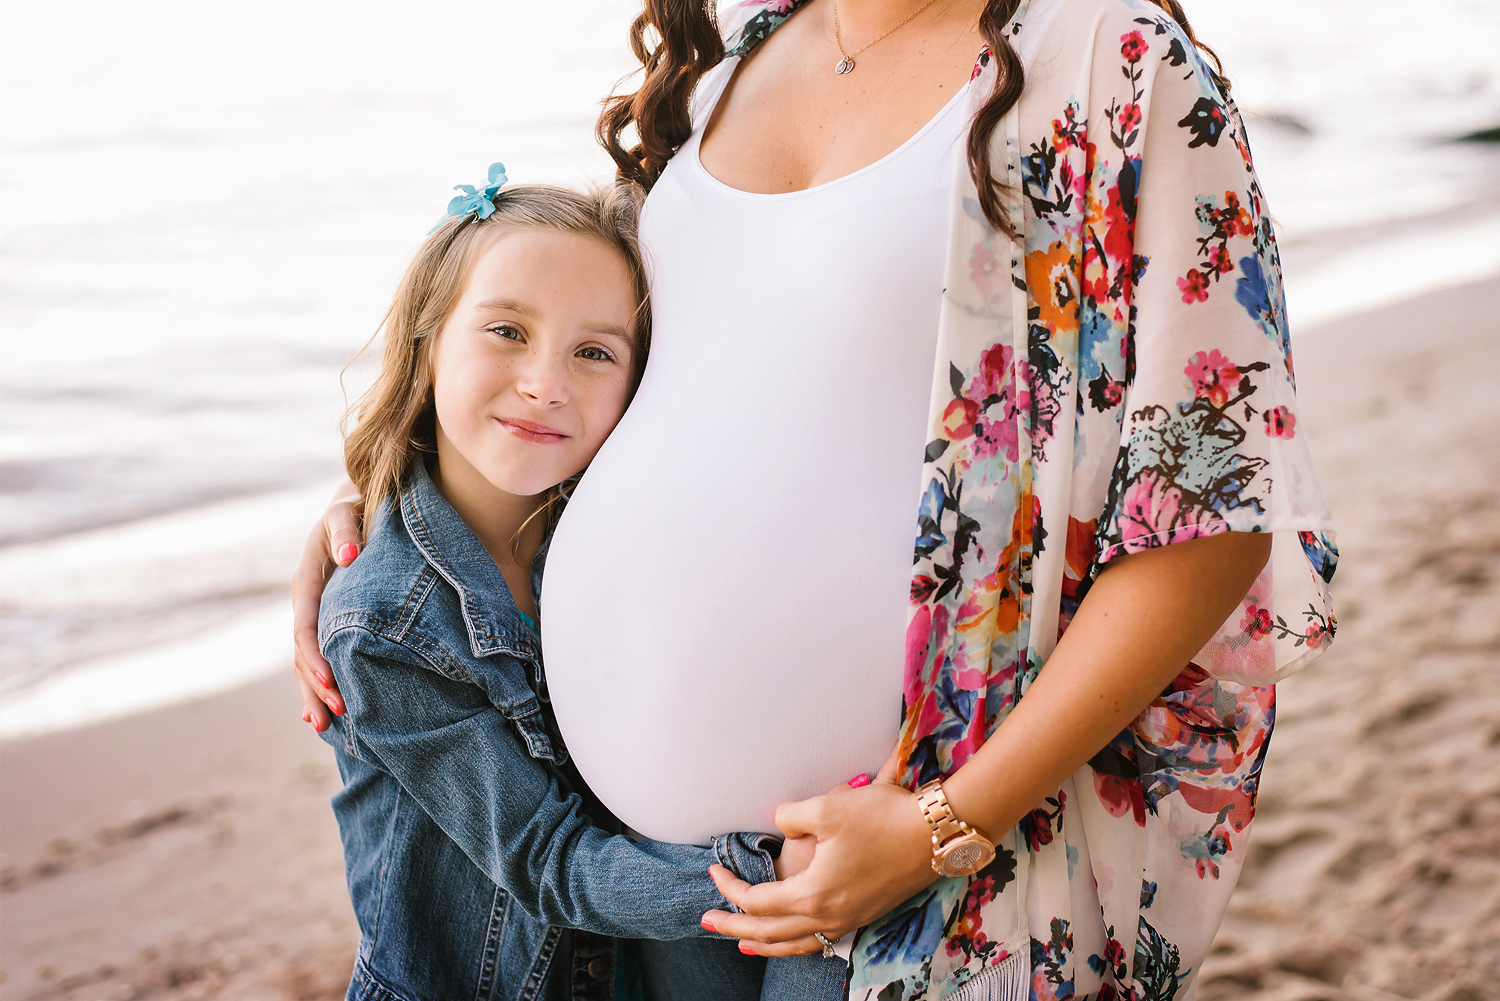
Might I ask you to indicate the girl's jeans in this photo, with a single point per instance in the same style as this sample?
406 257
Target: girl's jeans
694 969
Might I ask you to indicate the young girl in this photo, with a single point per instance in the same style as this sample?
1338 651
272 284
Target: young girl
516 338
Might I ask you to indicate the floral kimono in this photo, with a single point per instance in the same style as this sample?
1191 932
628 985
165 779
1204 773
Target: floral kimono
1119 379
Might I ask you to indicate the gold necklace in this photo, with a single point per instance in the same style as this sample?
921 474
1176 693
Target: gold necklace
846 64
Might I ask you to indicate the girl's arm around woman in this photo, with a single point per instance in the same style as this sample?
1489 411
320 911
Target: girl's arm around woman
477 758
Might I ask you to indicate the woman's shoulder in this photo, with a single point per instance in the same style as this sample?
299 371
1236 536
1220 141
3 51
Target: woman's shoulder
1089 16
1112 63
1113 31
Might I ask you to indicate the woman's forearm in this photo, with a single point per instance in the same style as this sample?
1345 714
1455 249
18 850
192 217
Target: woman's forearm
1145 617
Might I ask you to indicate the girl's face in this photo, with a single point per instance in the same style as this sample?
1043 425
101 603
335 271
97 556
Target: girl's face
532 370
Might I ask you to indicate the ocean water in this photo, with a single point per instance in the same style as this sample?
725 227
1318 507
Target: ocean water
204 209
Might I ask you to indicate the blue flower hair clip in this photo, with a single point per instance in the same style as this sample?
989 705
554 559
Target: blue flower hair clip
480 202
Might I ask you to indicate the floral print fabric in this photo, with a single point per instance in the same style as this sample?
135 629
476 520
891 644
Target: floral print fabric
1119 379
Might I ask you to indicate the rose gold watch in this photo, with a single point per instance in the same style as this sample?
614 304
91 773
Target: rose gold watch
957 849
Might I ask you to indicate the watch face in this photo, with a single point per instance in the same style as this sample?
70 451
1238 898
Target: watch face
966 857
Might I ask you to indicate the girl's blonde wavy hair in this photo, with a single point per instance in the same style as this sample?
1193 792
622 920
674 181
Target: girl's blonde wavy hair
395 420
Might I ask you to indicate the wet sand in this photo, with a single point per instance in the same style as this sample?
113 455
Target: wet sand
189 852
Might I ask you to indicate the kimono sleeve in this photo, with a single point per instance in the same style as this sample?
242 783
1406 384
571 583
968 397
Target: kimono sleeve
1211 438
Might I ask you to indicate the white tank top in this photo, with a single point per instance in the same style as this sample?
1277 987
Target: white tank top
726 595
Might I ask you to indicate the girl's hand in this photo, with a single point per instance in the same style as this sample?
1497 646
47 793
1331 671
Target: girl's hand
874 851
335 541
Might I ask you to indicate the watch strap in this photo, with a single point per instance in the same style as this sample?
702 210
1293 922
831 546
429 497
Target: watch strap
939 815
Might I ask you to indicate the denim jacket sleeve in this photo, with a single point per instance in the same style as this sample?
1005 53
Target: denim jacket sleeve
468 766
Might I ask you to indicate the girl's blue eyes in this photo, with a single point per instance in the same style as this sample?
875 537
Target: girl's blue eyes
513 333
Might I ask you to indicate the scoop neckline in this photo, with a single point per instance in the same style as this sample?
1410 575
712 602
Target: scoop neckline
696 159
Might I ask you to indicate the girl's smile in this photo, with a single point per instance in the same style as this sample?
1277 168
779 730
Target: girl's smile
529 431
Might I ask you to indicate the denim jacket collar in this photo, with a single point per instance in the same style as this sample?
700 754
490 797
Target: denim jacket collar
490 614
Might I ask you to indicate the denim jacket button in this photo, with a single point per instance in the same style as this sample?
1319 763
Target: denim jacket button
598 968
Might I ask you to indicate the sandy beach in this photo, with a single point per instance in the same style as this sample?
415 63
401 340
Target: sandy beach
1374 866
189 852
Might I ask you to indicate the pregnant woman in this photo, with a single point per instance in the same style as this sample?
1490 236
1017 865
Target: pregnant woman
1025 309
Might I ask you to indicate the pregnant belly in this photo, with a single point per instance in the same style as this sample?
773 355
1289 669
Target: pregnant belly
723 621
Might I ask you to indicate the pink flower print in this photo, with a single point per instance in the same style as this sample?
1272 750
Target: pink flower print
995 437
1133 46
1154 513
922 587
1221 260
1257 621
1280 422
1213 377
959 418
1317 635
1130 116
918 640
994 367
986 271
1194 287
1121 795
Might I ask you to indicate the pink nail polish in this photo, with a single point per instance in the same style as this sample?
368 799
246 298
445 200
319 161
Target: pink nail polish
746 949
347 552
706 924
322 678
333 706
859 780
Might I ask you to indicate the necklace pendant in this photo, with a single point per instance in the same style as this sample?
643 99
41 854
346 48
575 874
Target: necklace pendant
845 65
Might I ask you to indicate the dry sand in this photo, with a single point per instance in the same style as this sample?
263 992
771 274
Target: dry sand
1374 864
190 852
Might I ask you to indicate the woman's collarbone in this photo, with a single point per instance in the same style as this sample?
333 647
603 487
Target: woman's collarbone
768 138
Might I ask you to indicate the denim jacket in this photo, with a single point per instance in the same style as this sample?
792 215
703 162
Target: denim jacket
470 843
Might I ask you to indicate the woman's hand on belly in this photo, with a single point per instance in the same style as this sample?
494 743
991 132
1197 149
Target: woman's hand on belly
873 851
